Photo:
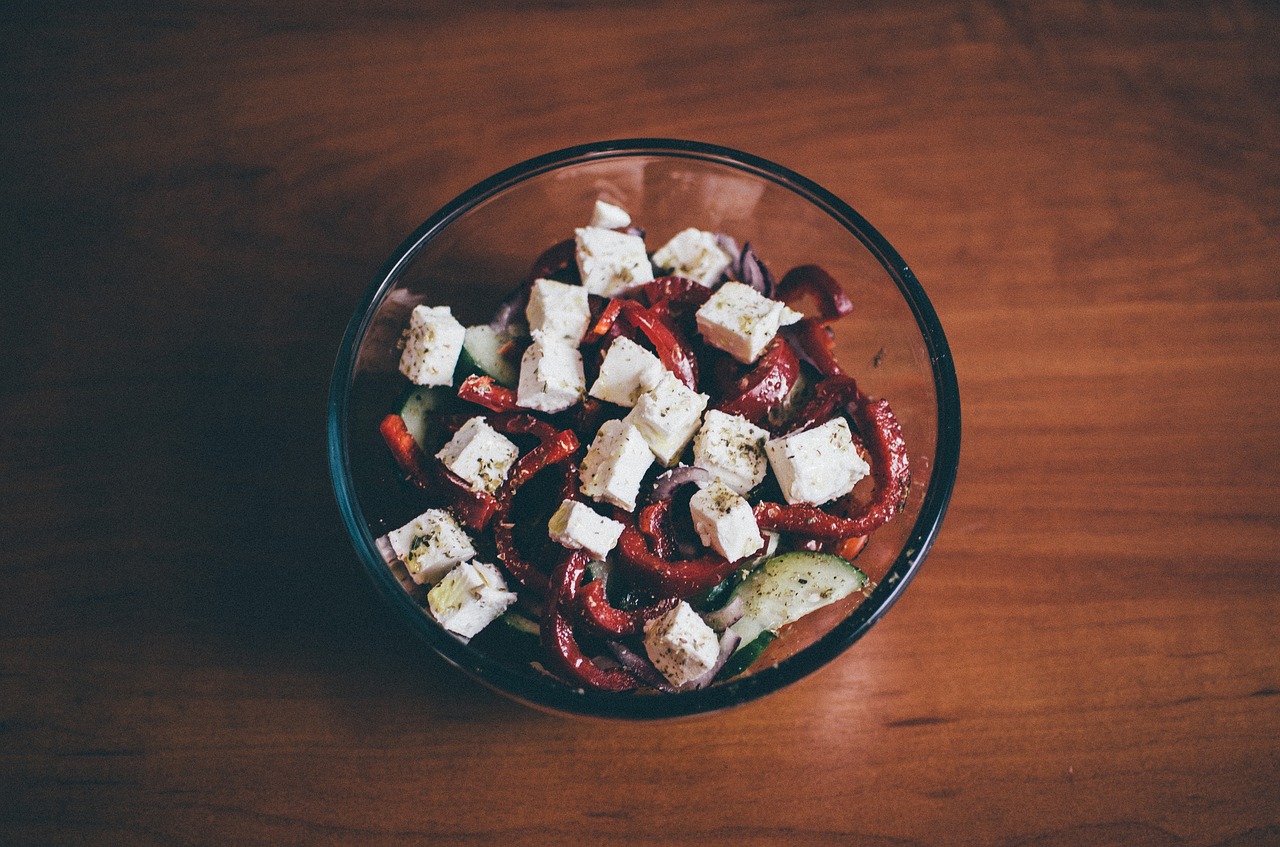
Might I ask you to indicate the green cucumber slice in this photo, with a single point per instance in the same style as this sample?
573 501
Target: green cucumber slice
418 408
786 588
745 655
481 355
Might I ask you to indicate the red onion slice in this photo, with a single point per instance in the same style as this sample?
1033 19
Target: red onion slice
667 483
640 666
752 272
723 618
729 642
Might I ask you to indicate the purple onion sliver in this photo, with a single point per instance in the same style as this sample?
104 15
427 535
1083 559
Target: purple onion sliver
640 666
753 272
667 483
727 243
723 618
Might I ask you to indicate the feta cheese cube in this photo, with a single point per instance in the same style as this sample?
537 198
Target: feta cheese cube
732 449
432 346
693 254
608 216
551 376
628 370
480 455
724 521
615 464
667 416
609 261
469 598
558 311
681 645
431 544
817 465
577 526
741 321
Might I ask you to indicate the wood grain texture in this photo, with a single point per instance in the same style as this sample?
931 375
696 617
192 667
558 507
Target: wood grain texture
193 198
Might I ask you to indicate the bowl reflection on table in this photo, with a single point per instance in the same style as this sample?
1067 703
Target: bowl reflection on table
473 251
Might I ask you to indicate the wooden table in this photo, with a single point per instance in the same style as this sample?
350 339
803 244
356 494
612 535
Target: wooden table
194 196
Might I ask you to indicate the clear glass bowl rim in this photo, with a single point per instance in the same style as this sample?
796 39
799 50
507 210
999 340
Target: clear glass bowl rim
549 694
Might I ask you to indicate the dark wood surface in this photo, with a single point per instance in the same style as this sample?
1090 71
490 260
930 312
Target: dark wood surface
193 196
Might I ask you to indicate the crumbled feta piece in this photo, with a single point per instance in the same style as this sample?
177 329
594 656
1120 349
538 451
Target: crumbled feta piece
551 376
667 416
431 544
741 321
817 465
609 261
732 449
558 311
628 370
615 464
480 455
693 254
469 598
577 526
724 521
681 645
608 216
432 346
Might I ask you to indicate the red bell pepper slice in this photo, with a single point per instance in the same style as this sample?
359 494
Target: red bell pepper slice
601 617
675 289
485 391
834 392
558 640
554 450
810 279
679 578
766 385
554 259
476 508
674 353
405 450
816 343
605 322
882 436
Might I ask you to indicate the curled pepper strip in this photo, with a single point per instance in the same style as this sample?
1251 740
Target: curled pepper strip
882 437
810 279
766 385
674 353
553 450
485 391
476 508
601 617
814 342
675 290
834 392
680 578
558 640
405 450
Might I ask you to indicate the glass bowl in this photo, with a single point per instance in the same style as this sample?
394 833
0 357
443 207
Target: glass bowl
473 251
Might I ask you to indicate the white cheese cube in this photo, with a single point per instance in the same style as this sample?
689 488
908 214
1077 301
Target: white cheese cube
681 645
817 465
609 261
693 254
480 455
667 416
628 370
732 449
558 311
741 321
432 346
577 526
469 598
615 464
724 521
608 216
551 376
431 544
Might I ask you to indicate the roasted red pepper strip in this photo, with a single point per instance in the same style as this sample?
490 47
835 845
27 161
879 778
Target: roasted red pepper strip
476 508
551 451
554 259
675 355
602 618
604 323
810 279
653 523
676 289
882 437
407 453
766 385
679 578
558 640
816 343
834 392
485 391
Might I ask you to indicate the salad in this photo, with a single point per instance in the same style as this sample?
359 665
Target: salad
644 466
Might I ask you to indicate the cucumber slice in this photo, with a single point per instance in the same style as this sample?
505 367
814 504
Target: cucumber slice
419 406
481 355
745 655
786 588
